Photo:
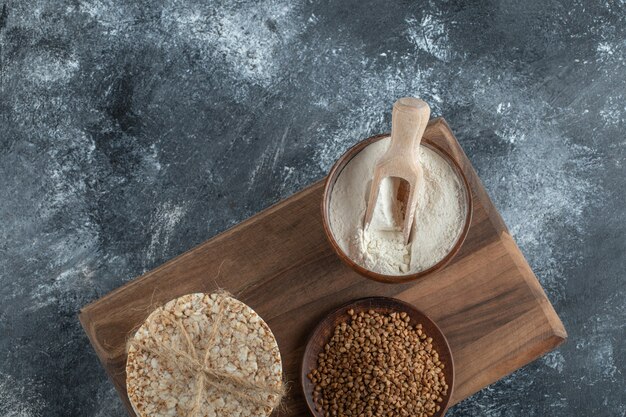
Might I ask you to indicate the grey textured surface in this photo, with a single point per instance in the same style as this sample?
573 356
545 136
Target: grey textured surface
132 131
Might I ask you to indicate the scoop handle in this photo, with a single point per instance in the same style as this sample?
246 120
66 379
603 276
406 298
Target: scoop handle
409 118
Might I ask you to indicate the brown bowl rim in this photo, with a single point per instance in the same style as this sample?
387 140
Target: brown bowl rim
363 304
331 179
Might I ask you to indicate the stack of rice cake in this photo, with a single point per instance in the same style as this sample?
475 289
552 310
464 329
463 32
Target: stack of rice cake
240 345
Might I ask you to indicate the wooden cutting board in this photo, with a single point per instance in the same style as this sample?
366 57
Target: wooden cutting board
487 300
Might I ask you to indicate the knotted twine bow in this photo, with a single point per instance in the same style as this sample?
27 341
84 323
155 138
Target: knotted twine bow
188 361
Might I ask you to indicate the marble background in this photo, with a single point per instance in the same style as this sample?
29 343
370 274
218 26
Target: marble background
131 131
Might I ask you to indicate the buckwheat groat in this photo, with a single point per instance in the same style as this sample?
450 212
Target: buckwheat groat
204 355
379 364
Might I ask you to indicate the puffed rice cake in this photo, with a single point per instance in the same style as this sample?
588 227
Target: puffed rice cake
244 347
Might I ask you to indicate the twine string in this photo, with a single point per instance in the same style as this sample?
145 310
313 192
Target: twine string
188 361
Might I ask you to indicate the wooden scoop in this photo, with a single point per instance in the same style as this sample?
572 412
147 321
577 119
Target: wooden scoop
408 123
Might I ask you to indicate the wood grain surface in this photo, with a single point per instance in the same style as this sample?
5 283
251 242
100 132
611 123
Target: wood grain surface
487 300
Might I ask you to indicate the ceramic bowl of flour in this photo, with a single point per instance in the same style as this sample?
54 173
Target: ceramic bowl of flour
442 217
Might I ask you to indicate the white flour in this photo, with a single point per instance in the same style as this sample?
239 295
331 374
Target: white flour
439 216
